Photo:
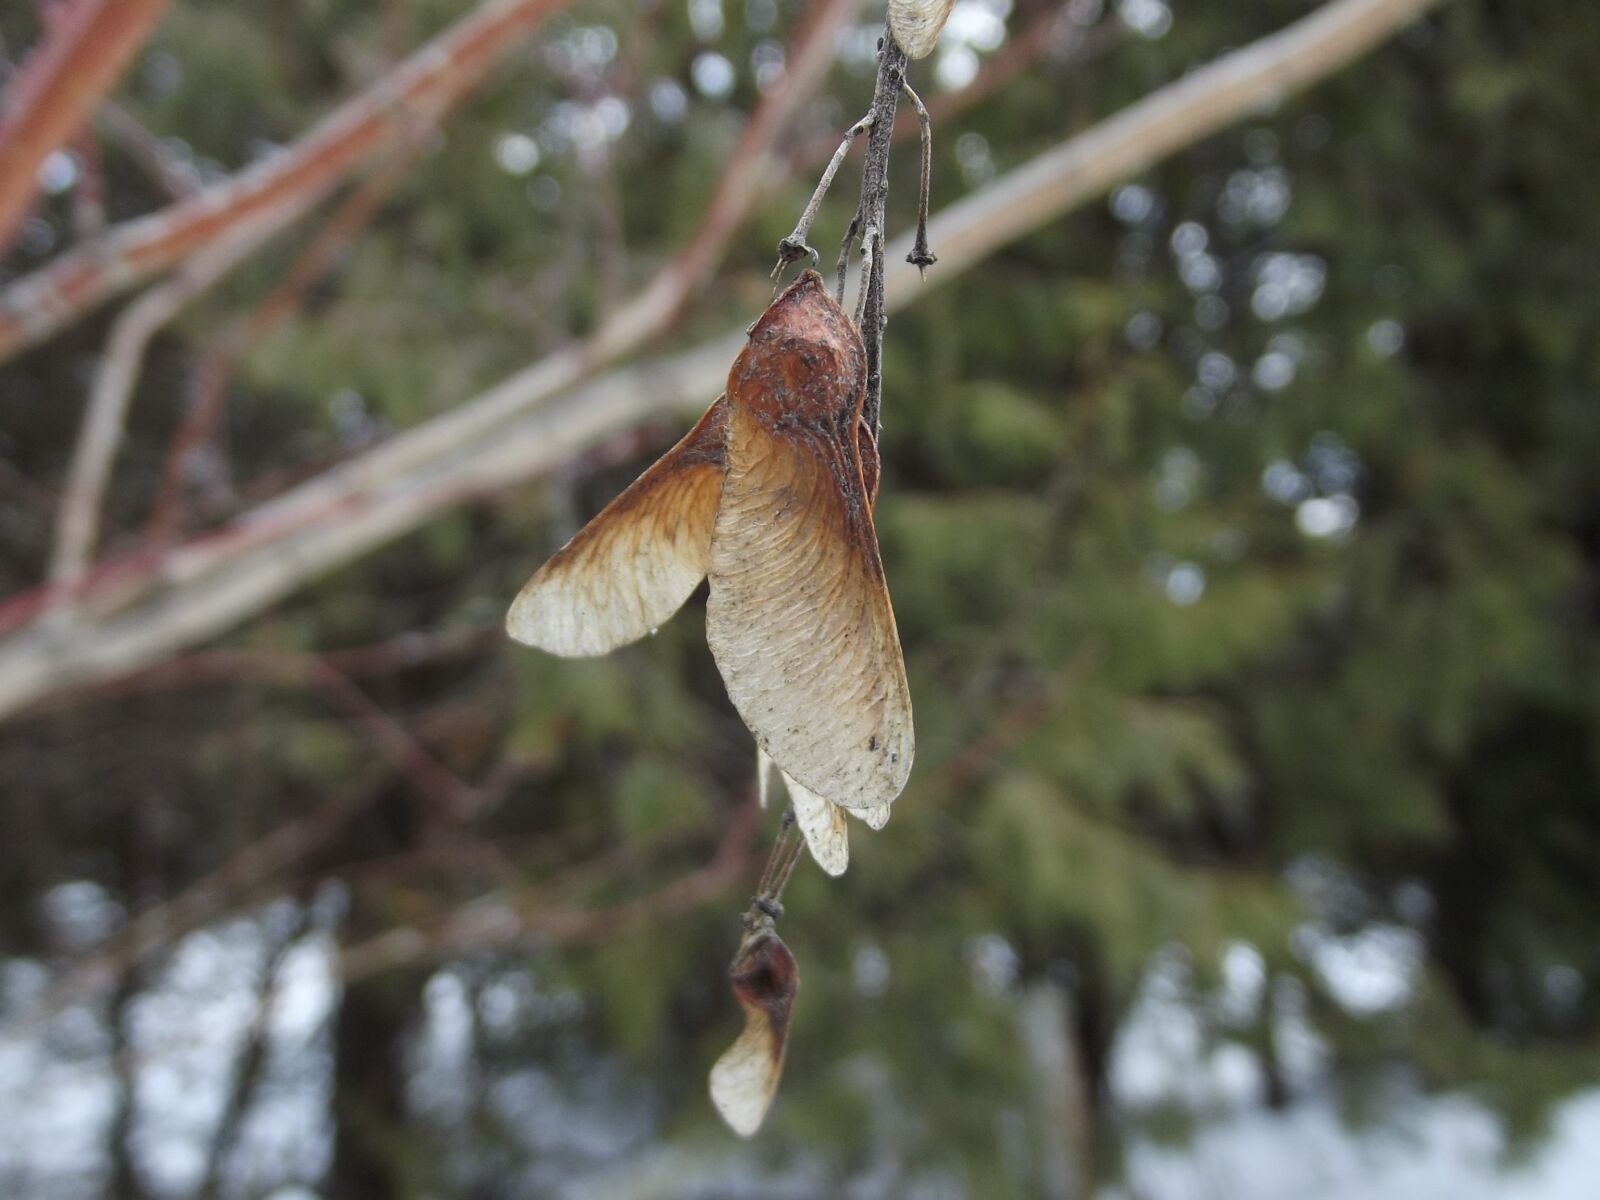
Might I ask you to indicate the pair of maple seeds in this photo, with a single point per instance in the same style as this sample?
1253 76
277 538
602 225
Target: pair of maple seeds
770 496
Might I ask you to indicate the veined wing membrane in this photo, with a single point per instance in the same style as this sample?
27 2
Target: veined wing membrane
637 561
799 618
822 824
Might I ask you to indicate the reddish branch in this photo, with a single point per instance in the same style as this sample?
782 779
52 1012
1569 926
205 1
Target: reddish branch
213 374
276 189
83 53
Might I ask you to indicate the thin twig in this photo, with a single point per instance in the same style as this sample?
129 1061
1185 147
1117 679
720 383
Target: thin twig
475 926
793 248
214 373
78 520
46 102
846 244
174 175
89 194
871 245
769 882
444 791
921 257
872 316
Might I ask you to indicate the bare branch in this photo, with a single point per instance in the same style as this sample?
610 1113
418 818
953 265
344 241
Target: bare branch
51 96
176 177
78 520
214 372
872 211
134 613
1247 80
276 189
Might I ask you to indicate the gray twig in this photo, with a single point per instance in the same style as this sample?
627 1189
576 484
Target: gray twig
921 257
845 247
874 201
871 240
793 248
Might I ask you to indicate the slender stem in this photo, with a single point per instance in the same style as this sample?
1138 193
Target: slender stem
767 904
921 257
874 202
769 872
871 240
845 247
793 248
796 852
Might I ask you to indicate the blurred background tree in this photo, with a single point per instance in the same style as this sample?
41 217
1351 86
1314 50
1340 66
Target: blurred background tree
1243 530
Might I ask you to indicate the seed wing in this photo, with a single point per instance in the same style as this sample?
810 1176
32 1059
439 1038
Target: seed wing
873 818
916 24
799 619
822 823
637 561
765 980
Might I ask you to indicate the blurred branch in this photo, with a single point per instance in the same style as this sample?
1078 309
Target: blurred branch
89 196
78 519
171 173
411 649
872 218
132 613
213 374
81 56
275 190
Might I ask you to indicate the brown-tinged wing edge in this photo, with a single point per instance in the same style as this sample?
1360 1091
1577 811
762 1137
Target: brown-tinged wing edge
632 566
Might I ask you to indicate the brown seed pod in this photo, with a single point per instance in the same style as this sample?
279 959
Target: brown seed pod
765 980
